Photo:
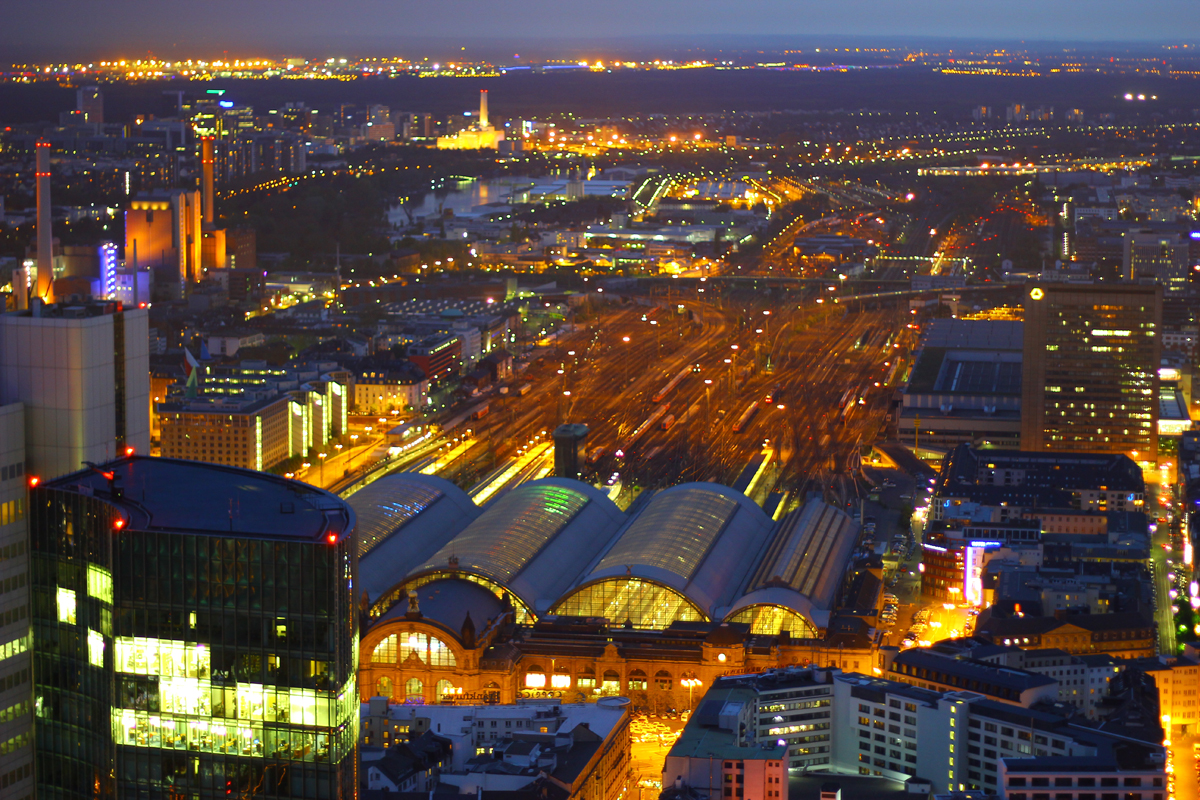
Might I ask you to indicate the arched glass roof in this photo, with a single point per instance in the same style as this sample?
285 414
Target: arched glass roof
429 510
699 539
809 554
388 504
535 539
674 532
512 531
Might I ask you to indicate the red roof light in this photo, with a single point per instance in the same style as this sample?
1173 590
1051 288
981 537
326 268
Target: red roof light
118 523
34 481
332 538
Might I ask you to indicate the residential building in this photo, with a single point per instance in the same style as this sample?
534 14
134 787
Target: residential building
1083 681
195 633
927 669
1090 369
382 385
405 766
1129 634
1002 485
1177 679
580 750
1127 769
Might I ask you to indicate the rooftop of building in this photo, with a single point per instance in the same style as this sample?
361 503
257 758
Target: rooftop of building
1041 471
975 334
84 308
548 541
973 671
705 736
601 717
1000 628
171 495
1114 756
877 690
946 370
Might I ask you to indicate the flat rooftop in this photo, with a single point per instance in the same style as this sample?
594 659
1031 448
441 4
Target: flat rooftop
702 737
166 494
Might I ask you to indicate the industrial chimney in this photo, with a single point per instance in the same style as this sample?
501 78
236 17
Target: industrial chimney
206 166
45 239
483 115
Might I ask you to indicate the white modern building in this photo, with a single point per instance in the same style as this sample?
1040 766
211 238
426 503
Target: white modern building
82 373
851 724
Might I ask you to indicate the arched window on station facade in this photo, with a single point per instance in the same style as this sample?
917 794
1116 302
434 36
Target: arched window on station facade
397 647
646 604
770 620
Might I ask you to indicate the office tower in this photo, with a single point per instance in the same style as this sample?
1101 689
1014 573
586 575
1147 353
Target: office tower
45 238
378 115
83 375
89 101
1162 256
16 689
195 634
206 167
1089 379
162 231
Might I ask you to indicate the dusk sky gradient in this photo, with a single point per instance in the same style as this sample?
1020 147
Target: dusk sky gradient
39 29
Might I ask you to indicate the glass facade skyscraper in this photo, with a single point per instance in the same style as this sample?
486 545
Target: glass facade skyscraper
196 633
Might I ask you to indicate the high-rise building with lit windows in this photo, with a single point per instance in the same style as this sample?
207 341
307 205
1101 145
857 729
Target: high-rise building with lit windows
195 632
1090 369
16 689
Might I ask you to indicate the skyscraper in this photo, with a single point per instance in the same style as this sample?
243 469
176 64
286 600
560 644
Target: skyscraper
1090 369
196 634
89 100
82 373
16 689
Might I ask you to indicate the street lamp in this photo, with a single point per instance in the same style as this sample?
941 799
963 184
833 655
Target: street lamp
691 683
322 457
625 339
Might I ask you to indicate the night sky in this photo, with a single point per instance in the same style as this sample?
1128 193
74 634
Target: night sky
43 29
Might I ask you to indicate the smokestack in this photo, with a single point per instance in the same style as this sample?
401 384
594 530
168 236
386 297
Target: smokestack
483 119
45 238
206 164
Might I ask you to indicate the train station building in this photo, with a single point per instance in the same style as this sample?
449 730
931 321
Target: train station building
552 590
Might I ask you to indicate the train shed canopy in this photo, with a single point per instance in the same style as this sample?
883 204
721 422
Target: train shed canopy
531 541
800 572
403 519
681 559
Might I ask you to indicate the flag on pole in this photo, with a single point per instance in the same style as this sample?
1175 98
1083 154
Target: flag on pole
191 368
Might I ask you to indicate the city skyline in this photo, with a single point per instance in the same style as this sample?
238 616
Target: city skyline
132 28
595 402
